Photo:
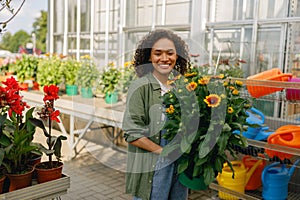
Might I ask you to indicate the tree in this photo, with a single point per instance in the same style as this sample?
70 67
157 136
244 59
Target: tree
40 30
5 4
12 42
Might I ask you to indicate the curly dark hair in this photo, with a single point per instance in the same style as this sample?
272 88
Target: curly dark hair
142 54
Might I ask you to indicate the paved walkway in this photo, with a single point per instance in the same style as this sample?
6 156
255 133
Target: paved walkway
97 173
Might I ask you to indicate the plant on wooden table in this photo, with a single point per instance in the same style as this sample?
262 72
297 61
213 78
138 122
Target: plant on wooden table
54 143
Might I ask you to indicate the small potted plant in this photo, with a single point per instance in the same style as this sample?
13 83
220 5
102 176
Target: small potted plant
127 75
49 170
26 68
109 80
49 71
87 76
70 68
16 135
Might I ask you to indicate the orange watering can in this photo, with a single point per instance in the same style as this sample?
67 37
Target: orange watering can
288 135
255 180
240 180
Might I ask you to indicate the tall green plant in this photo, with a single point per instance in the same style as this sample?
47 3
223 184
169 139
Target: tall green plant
49 71
87 73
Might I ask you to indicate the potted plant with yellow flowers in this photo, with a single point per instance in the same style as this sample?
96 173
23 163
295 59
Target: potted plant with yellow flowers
109 80
202 111
88 74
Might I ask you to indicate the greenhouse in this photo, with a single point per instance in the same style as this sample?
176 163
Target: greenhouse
135 90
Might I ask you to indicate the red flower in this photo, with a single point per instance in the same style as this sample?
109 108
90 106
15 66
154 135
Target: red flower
54 116
51 93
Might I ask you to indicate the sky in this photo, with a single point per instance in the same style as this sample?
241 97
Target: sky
26 16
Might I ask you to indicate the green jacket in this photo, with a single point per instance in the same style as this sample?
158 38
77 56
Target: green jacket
142 117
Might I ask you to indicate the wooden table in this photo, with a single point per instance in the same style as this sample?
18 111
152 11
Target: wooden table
91 110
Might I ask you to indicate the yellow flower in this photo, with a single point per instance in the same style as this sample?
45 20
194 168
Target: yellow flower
128 63
235 92
204 80
85 57
239 83
230 110
191 86
223 96
212 100
186 80
170 110
170 82
225 83
221 76
190 74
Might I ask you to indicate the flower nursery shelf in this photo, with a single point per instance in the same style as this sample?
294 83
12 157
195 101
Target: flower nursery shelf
48 190
248 195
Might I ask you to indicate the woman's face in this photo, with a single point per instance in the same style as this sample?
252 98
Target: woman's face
163 57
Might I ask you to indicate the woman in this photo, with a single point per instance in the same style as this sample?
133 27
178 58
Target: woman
160 54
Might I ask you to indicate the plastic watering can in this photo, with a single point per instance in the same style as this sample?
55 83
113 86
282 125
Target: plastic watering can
256 133
287 135
255 180
275 181
240 180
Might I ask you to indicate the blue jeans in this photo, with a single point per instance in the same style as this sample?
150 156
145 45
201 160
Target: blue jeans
165 183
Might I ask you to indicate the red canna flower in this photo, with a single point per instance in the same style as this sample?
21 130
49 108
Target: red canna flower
51 92
54 116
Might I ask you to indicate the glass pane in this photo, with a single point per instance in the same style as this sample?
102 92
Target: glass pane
72 16
273 9
294 61
58 20
177 12
229 46
58 43
268 52
230 10
85 15
295 11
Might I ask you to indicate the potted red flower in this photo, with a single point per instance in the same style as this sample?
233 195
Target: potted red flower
16 135
51 169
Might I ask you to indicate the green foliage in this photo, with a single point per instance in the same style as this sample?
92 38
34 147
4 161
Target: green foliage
49 71
12 42
87 73
70 68
109 79
16 138
203 110
26 67
40 30
127 75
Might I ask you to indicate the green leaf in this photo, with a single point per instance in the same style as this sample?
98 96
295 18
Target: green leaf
209 175
185 145
182 166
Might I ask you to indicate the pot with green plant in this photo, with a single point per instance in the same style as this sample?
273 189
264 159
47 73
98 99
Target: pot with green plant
109 80
70 68
49 71
87 76
51 169
16 135
26 68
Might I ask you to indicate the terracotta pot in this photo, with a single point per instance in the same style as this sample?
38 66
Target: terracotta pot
2 183
24 86
45 175
35 160
18 181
